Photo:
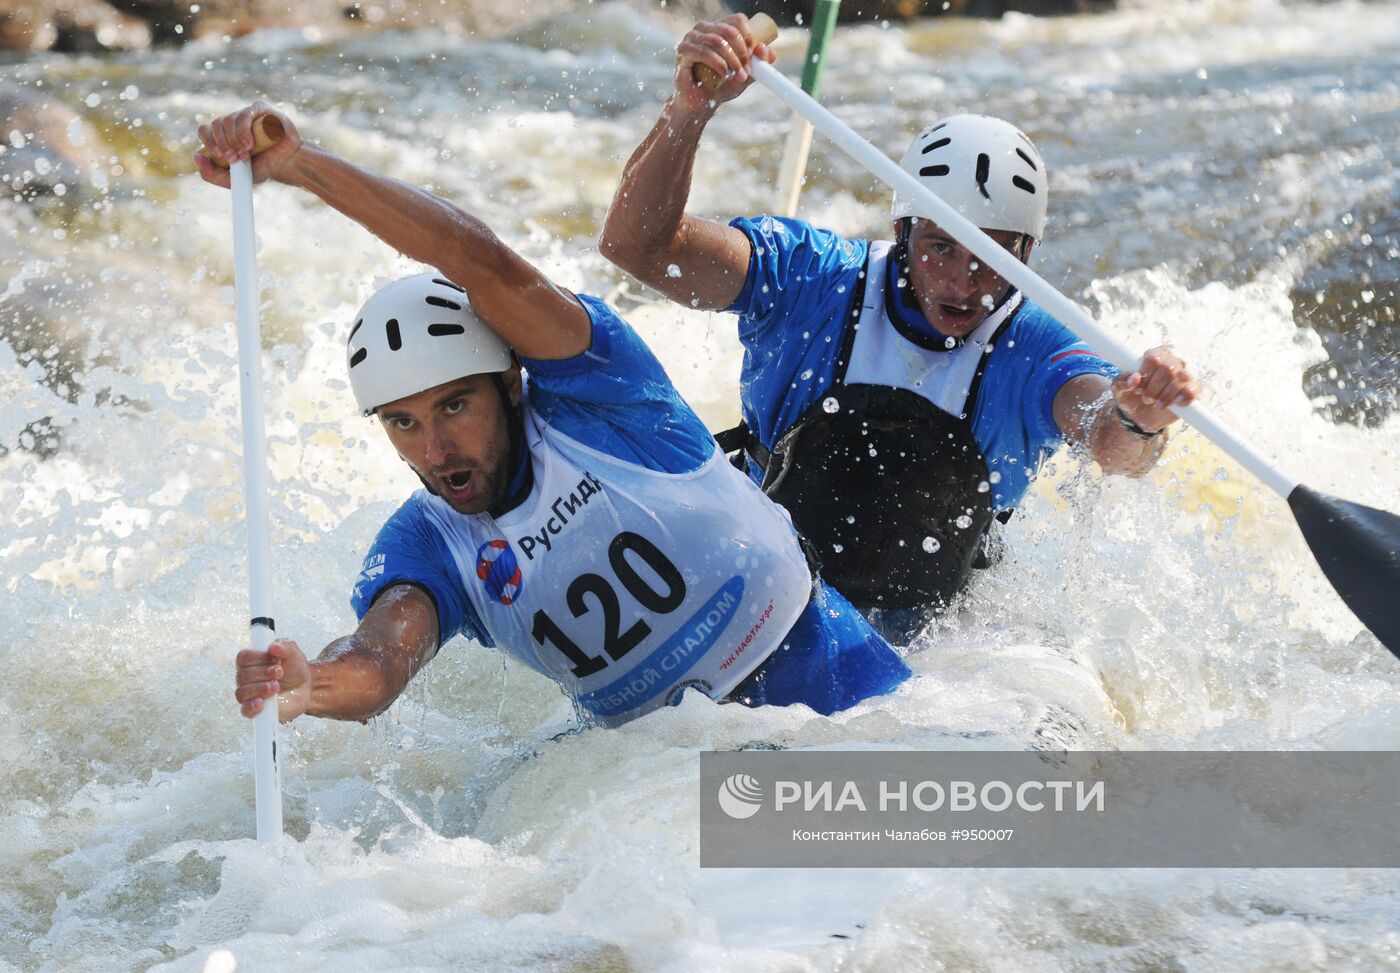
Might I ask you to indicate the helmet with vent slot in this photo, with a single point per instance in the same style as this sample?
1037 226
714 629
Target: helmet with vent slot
415 334
983 167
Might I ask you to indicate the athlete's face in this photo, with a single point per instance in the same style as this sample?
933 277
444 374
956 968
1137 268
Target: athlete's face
456 437
954 289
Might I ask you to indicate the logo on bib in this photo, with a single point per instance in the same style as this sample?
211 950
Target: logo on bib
499 571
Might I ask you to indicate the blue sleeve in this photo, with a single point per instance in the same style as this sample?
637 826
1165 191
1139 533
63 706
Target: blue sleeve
409 551
1061 357
796 272
617 398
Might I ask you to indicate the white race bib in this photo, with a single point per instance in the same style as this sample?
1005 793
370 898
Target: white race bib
625 585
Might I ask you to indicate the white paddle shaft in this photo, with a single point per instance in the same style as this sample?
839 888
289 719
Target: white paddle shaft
267 772
1016 273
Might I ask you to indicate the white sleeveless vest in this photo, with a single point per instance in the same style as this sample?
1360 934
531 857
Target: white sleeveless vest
883 356
625 585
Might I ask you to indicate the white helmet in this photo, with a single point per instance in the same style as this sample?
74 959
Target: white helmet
984 168
415 334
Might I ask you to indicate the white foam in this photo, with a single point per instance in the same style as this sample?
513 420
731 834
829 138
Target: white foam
461 831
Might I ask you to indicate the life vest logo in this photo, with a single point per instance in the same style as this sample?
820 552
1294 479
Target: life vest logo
499 571
740 796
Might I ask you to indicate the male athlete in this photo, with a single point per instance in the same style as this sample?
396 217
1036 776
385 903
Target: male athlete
575 512
897 397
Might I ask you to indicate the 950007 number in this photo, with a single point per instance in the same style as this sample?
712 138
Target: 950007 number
981 834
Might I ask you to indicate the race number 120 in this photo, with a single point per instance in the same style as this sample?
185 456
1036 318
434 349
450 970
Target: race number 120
617 642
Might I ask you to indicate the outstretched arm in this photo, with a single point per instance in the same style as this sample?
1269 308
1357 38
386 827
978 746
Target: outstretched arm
356 676
1093 412
531 313
694 261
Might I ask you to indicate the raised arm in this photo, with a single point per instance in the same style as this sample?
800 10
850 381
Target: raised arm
356 676
531 313
692 260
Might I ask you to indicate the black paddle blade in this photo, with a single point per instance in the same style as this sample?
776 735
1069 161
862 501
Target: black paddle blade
1359 551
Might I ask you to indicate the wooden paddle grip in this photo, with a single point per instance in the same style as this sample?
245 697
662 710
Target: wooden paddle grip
764 30
267 132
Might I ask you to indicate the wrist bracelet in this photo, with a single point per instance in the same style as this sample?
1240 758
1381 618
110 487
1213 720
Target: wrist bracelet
1133 427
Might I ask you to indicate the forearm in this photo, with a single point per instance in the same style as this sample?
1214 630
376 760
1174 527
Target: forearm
1119 450
647 214
532 314
693 261
352 680
413 221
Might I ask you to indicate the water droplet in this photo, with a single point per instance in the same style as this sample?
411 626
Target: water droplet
987 302
994 476
984 487
931 545
950 342
963 522
850 519
829 404
673 271
837 548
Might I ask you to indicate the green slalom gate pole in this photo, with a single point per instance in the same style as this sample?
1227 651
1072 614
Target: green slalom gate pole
799 140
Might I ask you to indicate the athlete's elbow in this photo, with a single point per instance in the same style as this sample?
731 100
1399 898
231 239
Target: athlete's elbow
478 257
612 246
622 250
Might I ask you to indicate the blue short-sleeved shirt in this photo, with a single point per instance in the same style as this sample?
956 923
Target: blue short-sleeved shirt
616 398
792 312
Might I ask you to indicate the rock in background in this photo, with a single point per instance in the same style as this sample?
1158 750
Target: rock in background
45 147
96 25
69 25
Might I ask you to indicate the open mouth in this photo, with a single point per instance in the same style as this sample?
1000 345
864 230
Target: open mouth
956 311
459 484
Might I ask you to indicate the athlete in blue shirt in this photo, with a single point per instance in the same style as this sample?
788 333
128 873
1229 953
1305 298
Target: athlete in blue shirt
897 397
575 512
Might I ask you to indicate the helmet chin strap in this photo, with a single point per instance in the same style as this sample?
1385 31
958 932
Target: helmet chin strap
517 457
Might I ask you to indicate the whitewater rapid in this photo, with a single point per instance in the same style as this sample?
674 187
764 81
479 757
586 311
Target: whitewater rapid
1214 169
